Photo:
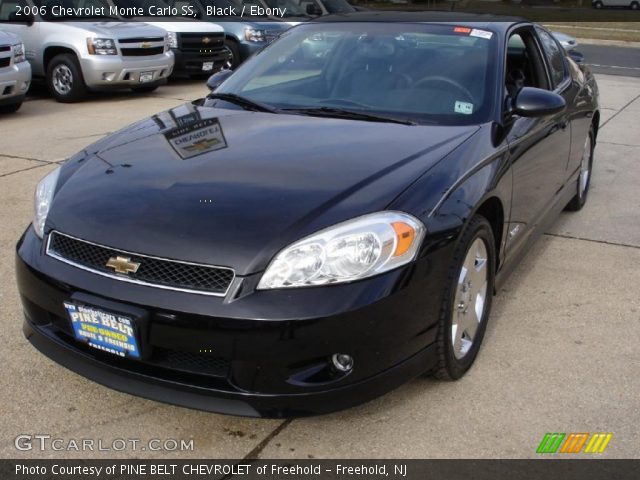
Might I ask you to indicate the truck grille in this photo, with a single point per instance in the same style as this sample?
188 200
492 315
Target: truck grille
201 42
158 272
141 52
141 47
4 62
141 40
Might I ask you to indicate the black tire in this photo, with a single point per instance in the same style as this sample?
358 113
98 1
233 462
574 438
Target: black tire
234 50
6 109
580 198
145 89
449 367
598 5
77 89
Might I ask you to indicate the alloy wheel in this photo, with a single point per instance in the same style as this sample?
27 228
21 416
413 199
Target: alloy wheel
62 79
585 168
470 299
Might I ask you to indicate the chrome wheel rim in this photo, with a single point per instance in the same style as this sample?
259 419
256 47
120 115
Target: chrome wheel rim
62 79
585 168
229 63
470 299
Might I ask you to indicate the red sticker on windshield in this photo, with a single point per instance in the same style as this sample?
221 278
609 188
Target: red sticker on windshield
462 30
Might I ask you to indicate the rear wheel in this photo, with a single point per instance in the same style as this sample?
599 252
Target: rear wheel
10 108
65 80
584 178
467 300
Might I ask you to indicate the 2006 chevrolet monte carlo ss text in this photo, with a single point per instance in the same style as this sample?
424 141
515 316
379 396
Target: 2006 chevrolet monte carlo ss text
330 222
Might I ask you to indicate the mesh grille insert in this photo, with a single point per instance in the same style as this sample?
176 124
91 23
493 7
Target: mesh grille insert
154 271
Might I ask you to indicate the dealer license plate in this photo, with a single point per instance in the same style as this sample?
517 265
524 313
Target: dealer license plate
106 331
207 66
146 77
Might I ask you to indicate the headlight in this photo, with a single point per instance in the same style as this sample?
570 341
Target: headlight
172 39
43 199
101 46
254 35
18 53
351 250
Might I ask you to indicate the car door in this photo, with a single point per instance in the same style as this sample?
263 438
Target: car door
539 147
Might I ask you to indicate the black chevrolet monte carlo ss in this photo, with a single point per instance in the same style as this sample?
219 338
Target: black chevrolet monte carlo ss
330 222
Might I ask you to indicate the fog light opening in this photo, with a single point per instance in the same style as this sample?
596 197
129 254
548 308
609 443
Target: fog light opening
342 362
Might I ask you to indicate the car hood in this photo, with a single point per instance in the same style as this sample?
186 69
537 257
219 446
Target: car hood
118 29
232 188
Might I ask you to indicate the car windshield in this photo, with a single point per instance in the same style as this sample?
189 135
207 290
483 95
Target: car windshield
420 72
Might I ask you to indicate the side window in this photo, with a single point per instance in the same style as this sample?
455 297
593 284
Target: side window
554 54
9 10
525 67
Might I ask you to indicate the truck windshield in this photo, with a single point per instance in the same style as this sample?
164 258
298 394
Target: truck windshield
424 73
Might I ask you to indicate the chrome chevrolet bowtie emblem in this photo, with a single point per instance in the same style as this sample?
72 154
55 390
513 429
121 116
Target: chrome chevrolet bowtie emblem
123 265
206 40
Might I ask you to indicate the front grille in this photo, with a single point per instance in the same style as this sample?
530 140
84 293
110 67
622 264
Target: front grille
141 52
5 48
191 362
200 42
4 62
164 273
141 40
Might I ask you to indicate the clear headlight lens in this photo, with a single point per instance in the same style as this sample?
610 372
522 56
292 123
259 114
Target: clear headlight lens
254 35
351 250
172 39
101 46
18 53
43 199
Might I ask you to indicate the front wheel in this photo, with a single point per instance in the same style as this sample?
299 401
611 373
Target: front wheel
65 80
584 178
467 300
233 60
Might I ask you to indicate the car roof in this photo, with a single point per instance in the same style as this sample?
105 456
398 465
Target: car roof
498 23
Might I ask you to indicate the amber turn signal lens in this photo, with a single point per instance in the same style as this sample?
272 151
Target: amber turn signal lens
405 235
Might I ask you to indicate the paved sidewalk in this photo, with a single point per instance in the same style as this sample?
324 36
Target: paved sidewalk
560 354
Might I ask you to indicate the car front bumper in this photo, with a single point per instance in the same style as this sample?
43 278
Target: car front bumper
269 351
14 83
105 71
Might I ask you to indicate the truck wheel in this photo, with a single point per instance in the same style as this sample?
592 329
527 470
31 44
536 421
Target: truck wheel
234 54
145 89
10 108
65 80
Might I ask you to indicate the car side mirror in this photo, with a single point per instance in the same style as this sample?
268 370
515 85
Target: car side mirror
536 102
576 56
217 79
313 9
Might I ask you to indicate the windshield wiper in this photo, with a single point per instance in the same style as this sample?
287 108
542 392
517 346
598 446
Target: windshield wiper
243 102
348 114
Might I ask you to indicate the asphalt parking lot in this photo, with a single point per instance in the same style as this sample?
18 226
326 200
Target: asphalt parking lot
560 355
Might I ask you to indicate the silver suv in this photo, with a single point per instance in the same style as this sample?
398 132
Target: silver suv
88 53
15 73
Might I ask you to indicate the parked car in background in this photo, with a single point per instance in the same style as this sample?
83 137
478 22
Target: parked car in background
244 35
367 204
326 7
632 4
198 46
89 53
15 72
567 41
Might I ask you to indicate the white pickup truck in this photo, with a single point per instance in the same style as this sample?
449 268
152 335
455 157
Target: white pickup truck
15 73
80 55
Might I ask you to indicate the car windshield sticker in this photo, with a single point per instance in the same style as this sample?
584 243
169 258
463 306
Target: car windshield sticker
196 138
464 107
481 34
466 30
